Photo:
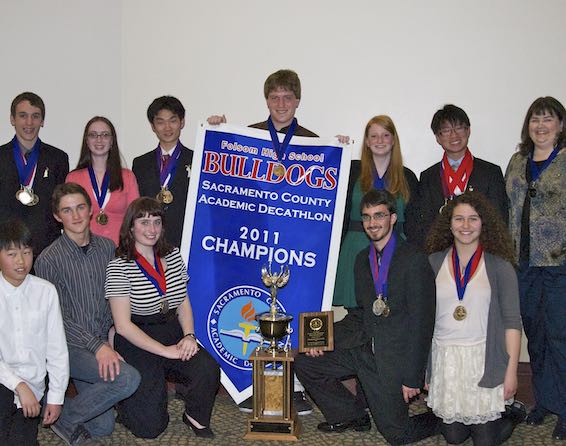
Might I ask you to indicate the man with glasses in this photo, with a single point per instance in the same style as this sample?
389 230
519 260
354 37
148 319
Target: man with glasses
458 171
384 342
164 172
30 171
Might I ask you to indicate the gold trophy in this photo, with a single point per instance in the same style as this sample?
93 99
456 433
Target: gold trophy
273 417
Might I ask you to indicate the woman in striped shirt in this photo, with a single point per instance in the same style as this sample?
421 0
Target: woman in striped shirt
146 286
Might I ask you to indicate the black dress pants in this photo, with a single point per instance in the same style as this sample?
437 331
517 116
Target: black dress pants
15 429
322 379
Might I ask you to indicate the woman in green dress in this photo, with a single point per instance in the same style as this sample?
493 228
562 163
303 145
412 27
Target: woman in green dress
380 167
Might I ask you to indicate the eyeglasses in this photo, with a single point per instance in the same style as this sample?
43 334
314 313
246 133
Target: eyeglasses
104 135
378 216
458 130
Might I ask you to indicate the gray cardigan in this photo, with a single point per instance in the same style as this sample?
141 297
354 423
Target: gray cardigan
504 313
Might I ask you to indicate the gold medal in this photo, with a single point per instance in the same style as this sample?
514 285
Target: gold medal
102 218
279 170
443 206
34 201
386 311
460 313
316 323
164 306
164 196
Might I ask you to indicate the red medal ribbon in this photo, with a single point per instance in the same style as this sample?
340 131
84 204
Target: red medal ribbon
155 275
459 179
462 280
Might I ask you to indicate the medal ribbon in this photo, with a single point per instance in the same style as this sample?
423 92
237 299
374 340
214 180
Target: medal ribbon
379 182
26 168
537 171
462 281
455 183
99 194
165 175
380 268
155 275
277 146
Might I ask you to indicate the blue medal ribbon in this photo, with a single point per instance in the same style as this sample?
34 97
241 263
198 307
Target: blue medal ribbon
277 146
171 166
380 268
100 194
536 171
379 182
462 281
25 168
154 274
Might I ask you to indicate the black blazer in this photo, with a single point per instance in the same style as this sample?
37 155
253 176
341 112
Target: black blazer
402 340
146 170
486 178
52 169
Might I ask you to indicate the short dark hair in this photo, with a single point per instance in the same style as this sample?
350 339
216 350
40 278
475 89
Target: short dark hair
67 189
14 233
377 197
32 98
286 79
139 208
170 103
451 114
539 106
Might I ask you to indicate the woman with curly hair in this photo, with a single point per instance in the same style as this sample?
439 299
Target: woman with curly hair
477 335
536 186
381 167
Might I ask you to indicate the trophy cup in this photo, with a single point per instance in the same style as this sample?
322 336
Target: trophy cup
273 418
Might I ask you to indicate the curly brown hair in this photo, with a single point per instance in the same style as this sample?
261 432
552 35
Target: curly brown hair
494 236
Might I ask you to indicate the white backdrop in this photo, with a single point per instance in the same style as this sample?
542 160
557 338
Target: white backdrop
404 58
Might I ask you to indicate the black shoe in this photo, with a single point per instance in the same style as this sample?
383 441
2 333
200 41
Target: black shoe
516 412
559 432
247 406
205 432
361 424
302 405
536 416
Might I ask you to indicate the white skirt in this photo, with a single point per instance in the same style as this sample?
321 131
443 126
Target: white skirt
454 394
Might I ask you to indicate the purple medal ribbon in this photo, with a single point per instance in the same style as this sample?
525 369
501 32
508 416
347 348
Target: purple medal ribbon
26 168
171 166
277 146
99 194
380 268
537 171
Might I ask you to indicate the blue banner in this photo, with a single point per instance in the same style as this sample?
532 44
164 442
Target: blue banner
244 211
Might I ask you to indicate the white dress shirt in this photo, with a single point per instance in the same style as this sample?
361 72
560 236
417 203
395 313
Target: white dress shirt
32 339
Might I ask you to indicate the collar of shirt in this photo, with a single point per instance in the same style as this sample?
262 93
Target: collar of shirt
455 163
167 152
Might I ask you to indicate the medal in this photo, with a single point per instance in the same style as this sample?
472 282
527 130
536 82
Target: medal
34 201
536 168
279 170
460 313
443 206
164 196
102 218
25 196
378 306
386 311
164 306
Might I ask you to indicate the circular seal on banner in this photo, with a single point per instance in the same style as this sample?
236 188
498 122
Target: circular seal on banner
231 325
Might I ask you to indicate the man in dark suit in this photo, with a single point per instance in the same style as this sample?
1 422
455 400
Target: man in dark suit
30 170
165 171
384 342
458 171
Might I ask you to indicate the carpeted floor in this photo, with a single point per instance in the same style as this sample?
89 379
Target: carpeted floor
229 425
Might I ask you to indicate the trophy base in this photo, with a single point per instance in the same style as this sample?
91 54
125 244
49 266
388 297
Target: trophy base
266 429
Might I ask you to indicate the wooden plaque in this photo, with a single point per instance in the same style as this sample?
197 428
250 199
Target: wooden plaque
316 330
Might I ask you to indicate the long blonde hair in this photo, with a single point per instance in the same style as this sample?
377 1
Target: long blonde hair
395 176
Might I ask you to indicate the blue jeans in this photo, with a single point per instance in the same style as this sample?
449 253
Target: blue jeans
542 292
93 405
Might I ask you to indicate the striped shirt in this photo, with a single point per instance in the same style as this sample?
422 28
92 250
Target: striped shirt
125 279
79 277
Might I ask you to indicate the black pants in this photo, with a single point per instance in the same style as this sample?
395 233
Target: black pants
487 434
15 429
322 379
145 412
